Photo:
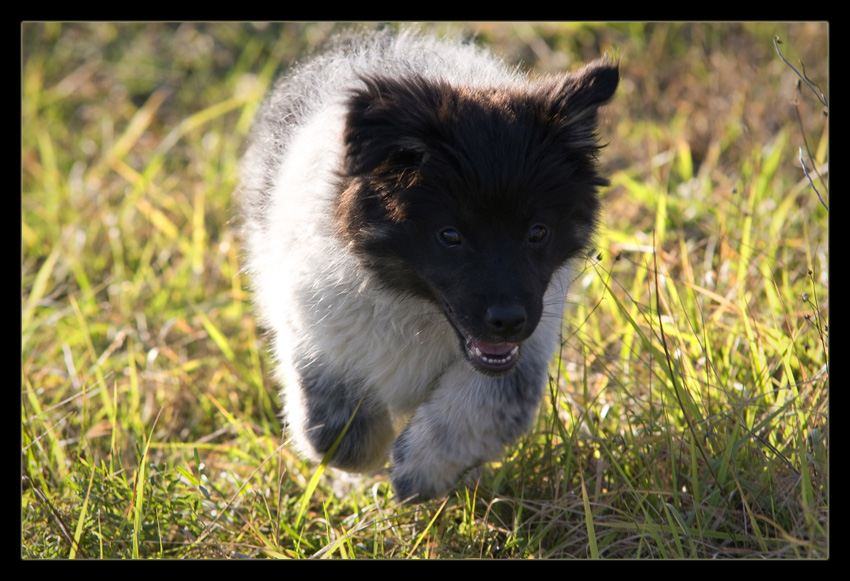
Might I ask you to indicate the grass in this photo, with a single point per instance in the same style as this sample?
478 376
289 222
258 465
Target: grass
687 414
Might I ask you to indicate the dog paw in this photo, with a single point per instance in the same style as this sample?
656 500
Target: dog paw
413 486
420 473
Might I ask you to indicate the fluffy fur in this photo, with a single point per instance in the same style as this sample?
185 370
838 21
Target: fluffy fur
412 209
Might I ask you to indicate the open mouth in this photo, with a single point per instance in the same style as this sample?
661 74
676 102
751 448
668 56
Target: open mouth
486 357
492 357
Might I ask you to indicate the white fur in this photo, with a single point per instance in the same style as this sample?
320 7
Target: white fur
316 299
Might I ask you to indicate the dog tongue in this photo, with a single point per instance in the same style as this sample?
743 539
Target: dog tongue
496 357
493 348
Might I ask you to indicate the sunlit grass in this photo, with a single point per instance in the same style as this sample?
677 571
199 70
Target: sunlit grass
687 413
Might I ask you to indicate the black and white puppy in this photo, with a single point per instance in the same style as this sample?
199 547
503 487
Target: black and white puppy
412 210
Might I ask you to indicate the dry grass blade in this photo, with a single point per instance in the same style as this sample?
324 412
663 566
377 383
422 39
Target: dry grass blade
688 411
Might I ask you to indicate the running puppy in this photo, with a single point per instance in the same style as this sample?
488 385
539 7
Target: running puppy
412 209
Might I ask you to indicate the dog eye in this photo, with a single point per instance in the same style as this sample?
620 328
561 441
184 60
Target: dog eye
449 237
538 234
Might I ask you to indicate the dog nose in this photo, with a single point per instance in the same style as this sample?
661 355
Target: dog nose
506 321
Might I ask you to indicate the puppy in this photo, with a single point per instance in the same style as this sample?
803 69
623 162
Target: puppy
412 212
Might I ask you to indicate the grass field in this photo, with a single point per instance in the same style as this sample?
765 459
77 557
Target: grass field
687 414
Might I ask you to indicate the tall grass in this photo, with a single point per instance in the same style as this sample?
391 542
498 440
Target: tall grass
687 412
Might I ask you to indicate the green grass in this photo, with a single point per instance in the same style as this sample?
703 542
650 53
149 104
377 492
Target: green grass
687 414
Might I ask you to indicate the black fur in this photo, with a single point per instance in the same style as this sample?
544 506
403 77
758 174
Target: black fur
414 212
491 164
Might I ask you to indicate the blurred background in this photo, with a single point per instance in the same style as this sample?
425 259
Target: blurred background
150 422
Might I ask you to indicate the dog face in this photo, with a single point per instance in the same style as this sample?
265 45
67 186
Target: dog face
473 198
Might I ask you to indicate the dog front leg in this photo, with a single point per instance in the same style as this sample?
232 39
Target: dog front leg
468 420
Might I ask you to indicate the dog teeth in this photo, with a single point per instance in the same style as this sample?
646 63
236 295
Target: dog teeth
495 360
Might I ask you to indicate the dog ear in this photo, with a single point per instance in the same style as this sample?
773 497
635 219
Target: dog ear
387 122
572 100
